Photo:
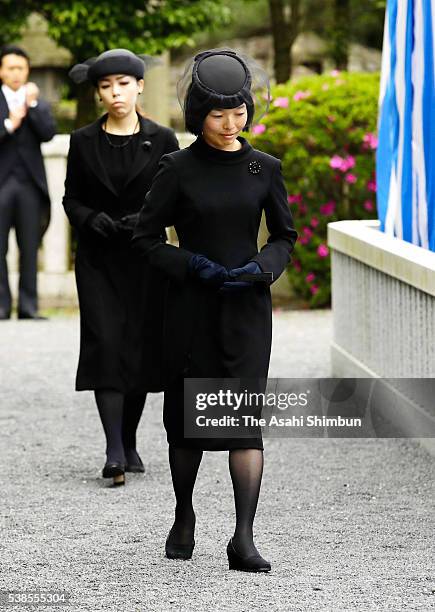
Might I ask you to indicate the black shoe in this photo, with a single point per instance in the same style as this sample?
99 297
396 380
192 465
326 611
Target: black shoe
178 551
134 463
32 315
254 563
4 315
112 469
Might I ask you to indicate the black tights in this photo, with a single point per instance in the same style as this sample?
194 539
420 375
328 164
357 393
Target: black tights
120 415
246 469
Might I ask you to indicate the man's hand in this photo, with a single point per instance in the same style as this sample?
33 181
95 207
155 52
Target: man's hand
16 116
32 93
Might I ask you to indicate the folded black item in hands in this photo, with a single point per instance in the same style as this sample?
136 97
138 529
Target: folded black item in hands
263 277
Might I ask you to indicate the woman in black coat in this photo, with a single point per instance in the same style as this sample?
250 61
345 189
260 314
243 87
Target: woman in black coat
216 326
111 164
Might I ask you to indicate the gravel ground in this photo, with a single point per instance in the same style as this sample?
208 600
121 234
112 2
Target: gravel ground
347 524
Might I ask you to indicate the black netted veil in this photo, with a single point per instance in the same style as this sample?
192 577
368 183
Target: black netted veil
222 78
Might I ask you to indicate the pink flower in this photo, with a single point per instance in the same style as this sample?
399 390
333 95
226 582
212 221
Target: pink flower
300 95
297 265
368 205
314 289
336 161
322 250
303 209
331 118
304 240
281 102
314 222
260 128
350 178
328 208
371 186
342 163
295 198
307 231
310 277
335 73
370 140
325 86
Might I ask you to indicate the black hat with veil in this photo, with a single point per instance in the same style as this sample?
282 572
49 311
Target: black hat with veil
219 79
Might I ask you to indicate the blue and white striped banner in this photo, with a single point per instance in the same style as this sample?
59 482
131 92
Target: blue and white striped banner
405 162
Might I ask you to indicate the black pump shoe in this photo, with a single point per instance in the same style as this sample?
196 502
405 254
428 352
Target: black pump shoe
116 471
136 465
178 551
254 563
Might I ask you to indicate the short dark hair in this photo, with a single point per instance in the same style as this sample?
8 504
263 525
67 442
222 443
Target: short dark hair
13 50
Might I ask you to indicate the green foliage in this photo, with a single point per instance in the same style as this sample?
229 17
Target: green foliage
13 15
89 27
366 20
323 130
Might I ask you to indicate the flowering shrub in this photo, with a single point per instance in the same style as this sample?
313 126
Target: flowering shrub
323 129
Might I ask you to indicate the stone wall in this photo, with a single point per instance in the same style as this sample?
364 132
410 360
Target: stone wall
383 304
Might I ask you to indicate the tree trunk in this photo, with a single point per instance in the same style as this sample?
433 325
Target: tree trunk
284 33
341 34
86 106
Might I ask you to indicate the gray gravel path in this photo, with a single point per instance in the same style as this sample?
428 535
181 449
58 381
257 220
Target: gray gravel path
347 524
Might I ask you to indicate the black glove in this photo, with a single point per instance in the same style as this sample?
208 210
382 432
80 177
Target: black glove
251 267
102 224
128 223
207 271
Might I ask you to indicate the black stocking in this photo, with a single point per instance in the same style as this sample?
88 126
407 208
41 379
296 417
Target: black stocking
184 464
133 407
246 469
110 407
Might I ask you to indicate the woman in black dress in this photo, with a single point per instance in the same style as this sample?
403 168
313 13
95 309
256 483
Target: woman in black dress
111 164
214 193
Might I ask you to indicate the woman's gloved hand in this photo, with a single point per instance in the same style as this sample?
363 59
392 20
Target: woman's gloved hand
102 224
251 267
207 271
128 222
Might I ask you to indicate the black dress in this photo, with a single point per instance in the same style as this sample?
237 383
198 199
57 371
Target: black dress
118 157
215 200
120 298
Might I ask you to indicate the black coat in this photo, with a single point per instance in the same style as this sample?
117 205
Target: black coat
120 298
215 202
24 145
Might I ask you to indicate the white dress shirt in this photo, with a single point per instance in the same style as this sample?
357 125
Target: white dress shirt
16 98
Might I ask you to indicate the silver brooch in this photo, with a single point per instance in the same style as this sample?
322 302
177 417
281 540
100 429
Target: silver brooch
254 167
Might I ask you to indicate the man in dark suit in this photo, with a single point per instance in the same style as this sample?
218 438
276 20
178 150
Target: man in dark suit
25 122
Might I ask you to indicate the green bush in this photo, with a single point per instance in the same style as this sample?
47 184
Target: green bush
323 129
